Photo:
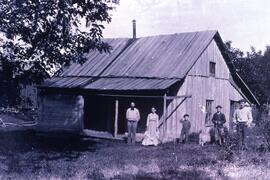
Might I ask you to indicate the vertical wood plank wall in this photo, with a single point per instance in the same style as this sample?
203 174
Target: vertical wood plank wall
28 92
203 87
60 112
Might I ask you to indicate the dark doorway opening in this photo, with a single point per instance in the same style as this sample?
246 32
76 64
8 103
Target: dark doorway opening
233 107
99 113
144 106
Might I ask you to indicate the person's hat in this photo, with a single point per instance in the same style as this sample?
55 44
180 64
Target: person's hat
186 115
219 106
242 100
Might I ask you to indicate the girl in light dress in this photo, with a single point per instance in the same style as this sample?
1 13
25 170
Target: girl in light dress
151 133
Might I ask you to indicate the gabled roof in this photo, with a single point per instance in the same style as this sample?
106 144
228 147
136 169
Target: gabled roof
151 60
155 62
96 61
163 56
108 83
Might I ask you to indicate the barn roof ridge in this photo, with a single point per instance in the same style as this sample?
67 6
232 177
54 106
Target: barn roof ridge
165 34
127 77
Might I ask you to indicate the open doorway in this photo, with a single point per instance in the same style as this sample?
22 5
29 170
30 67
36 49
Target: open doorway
233 107
144 106
99 113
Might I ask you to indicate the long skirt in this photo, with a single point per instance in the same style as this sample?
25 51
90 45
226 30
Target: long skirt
151 134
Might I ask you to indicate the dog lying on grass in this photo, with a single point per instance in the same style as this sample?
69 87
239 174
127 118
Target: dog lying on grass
204 136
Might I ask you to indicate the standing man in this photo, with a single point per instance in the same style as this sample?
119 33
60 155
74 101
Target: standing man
133 117
219 120
243 119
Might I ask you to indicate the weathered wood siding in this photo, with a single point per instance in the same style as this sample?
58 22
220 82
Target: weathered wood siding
202 87
176 108
60 112
28 95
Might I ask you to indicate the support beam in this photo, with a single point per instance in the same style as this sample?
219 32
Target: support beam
176 122
171 113
141 96
40 105
173 125
175 109
164 116
116 118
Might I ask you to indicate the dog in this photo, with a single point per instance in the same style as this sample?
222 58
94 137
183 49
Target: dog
204 136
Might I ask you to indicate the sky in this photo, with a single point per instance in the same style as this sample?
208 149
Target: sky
245 22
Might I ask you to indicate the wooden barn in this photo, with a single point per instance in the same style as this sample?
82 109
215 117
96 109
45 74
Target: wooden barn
178 74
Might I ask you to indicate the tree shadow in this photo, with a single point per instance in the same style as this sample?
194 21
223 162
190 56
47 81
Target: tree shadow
168 174
20 150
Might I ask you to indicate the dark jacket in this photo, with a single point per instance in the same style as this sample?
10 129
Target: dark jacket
218 120
186 125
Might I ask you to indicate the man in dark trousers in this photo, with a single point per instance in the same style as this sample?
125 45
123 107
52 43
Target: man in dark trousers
219 120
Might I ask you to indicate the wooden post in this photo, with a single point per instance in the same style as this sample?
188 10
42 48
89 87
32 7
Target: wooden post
40 106
173 126
116 118
80 111
176 121
164 115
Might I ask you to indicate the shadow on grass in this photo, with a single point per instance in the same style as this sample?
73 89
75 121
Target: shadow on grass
25 141
20 150
169 174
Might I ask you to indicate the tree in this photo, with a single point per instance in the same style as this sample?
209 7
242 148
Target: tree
253 54
39 36
234 53
253 69
267 52
45 34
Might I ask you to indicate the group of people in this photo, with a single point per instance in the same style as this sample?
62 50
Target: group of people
151 133
242 118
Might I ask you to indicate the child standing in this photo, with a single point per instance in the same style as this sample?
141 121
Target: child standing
185 128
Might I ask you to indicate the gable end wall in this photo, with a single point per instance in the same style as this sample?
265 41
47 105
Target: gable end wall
203 87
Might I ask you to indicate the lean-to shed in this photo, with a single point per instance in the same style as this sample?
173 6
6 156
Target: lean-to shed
178 74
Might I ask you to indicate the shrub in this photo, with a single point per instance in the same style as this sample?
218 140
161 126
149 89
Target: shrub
231 144
263 129
95 174
231 141
193 137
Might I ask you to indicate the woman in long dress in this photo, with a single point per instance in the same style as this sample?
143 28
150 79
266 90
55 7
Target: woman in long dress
151 133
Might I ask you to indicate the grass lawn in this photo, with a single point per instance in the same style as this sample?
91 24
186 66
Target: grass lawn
27 155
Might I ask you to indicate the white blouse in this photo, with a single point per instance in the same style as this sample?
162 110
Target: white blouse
152 117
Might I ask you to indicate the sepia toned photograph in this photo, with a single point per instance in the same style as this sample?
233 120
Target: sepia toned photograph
134 89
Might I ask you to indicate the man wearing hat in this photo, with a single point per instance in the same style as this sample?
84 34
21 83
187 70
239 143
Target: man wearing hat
219 120
242 118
